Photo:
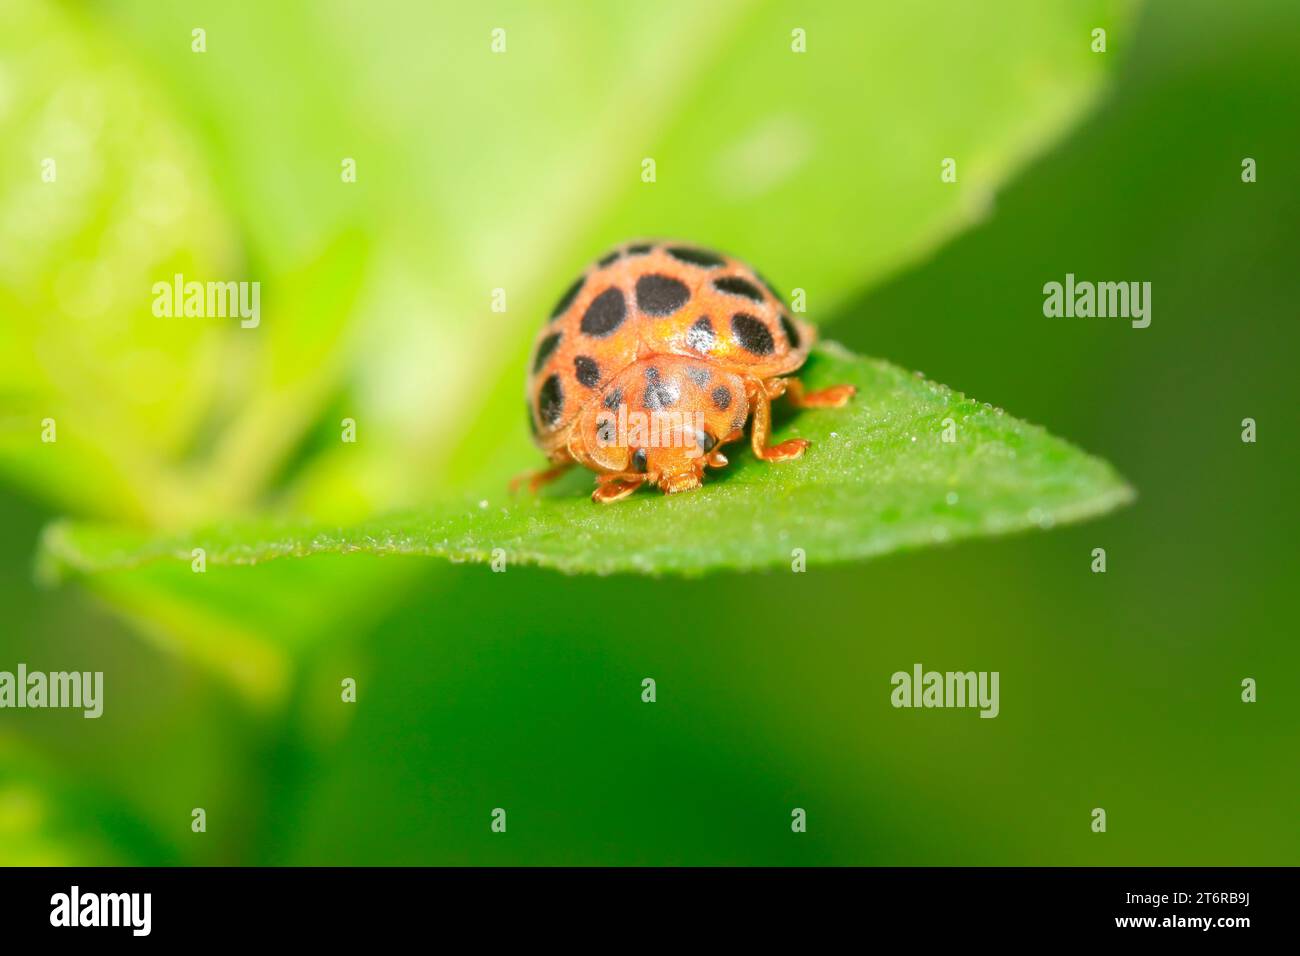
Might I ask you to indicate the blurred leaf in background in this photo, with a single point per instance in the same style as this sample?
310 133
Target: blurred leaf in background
475 171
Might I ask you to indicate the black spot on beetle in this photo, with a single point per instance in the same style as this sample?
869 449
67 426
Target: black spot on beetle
640 250
752 334
609 258
639 460
734 285
700 335
544 349
660 295
659 394
791 330
550 400
721 398
698 374
587 371
697 257
605 314
613 398
570 294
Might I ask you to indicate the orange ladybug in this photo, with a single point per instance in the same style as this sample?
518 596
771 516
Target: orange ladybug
654 359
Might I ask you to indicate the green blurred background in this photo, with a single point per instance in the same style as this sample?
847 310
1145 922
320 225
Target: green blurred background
479 171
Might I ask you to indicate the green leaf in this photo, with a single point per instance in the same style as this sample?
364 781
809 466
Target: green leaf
879 477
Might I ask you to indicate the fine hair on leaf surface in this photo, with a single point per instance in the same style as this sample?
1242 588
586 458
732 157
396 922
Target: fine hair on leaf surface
908 463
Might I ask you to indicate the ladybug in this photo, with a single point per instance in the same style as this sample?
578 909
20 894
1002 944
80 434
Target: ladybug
656 357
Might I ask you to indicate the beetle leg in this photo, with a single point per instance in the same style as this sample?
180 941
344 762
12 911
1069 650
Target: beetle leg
837 396
616 487
762 427
536 479
715 458
775 387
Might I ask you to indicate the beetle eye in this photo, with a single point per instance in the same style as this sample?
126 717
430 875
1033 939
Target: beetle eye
638 460
706 441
